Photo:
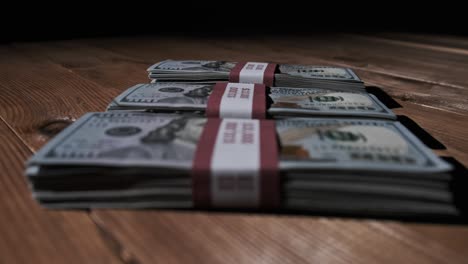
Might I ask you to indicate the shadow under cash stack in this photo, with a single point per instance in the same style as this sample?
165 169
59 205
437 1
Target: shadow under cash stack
242 100
270 74
147 160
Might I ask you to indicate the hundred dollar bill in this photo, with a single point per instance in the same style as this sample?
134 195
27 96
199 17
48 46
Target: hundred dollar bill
120 139
285 101
288 75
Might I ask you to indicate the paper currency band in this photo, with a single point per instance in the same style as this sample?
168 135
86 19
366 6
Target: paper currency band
253 72
236 165
237 100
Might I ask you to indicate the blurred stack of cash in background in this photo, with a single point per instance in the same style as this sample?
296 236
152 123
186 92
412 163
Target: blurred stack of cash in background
287 75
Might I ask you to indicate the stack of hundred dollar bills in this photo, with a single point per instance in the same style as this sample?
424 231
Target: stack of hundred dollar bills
340 165
284 101
287 75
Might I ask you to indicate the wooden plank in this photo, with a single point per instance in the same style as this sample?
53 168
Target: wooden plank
181 237
404 74
185 236
30 233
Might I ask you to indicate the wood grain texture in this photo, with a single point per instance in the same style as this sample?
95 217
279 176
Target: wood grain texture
68 78
182 237
103 67
40 97
30 233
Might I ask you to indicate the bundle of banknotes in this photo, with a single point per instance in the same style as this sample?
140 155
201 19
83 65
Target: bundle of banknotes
283 101
337 165
284 75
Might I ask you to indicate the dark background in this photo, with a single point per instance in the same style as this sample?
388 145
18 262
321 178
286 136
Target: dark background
68 20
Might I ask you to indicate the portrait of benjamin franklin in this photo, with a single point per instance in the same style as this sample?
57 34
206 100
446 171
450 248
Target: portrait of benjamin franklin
195 96
166 133
182 130
174 141
204 91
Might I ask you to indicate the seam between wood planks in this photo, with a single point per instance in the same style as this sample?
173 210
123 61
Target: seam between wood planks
16 134
115 246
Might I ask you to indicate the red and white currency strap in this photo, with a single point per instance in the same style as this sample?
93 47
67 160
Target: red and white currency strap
253 72
237 100
236 165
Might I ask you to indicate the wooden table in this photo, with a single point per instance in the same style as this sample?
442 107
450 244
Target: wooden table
45 86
